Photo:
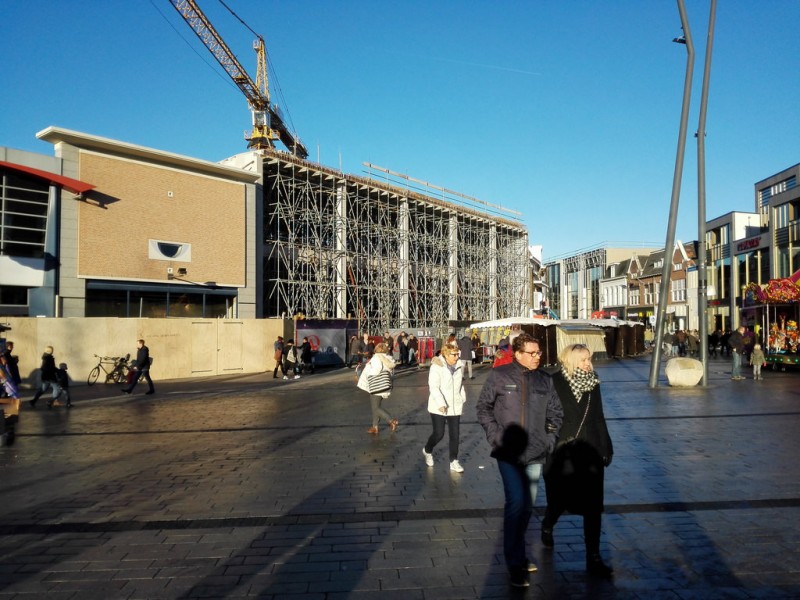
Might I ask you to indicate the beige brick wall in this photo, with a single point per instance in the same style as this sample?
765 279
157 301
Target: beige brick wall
181 348
132 204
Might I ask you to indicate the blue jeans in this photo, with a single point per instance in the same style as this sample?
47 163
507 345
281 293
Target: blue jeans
520 484
736 371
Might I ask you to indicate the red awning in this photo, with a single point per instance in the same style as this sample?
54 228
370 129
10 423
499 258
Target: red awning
73 185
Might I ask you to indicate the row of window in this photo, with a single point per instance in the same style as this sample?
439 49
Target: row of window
24 205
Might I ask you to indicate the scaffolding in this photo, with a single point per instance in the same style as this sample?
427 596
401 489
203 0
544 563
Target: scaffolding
345 246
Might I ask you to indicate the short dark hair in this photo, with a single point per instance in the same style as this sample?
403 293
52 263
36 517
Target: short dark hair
518 345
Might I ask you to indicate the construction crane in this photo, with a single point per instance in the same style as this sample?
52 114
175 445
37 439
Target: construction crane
268 124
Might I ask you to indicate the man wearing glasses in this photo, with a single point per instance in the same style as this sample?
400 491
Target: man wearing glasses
521 413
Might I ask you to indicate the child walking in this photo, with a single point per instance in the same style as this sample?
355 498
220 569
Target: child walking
63 386
758 360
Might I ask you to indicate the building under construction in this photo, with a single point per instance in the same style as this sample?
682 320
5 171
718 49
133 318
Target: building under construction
345 246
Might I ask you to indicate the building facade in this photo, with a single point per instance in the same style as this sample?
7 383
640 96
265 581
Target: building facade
127 231
574 282
107 228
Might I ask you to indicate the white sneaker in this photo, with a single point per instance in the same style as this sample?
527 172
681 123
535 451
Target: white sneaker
297 376
428 457
286 377
456 467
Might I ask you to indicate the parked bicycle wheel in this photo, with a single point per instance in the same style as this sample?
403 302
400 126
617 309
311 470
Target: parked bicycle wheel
93 375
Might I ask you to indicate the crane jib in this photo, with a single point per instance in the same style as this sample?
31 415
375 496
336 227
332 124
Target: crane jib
256 92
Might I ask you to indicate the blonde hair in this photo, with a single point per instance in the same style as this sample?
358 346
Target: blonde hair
450 348
382 348
570 356
48 349
757 347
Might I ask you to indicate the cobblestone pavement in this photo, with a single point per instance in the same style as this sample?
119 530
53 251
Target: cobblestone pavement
250 487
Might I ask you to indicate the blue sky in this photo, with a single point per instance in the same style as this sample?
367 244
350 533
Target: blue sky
567 112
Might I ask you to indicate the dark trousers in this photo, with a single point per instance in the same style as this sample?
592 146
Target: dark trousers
592 524
146 375
453 425
279 365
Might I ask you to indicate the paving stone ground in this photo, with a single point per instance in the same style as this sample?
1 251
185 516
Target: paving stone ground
245 486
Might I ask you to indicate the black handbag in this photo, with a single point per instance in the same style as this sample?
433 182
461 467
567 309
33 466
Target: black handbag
379 383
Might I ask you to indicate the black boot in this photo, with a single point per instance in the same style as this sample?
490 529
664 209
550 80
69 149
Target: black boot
548 522
591 535
597 568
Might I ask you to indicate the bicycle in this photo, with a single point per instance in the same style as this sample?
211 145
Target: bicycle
118 373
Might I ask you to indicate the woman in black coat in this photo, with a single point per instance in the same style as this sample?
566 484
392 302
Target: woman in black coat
574 473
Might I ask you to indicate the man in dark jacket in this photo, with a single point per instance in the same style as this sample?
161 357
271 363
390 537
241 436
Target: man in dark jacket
141 368
48 377
736 344
521 413
306 361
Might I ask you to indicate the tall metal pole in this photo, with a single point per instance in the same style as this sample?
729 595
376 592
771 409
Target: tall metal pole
702 275
669 245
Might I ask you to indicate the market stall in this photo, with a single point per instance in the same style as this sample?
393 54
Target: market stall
772 311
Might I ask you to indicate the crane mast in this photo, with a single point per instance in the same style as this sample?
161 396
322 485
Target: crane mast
268 124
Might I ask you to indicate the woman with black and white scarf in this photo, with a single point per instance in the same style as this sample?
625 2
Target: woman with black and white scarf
574 472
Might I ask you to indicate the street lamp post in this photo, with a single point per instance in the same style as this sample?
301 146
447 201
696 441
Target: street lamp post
669 245
702 274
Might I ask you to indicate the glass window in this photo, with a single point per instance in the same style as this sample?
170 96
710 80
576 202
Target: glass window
186 305
782 268
148 304
106 303
12 295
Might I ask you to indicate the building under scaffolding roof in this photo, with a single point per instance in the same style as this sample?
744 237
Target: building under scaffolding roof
339 246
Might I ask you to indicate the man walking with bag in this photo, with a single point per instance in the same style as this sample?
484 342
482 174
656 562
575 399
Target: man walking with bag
141 368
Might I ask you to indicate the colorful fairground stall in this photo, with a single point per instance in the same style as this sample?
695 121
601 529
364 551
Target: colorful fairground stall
772 312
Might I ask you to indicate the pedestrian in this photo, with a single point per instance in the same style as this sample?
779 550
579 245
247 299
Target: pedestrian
692 342
277 355
573 475
47 377
355 348
503 355
713 342
465 348
736 345
12 367
667 344
681 337
141 368
389 341
380 362
402 343
290 359
9 403
413 348
306 360
724 337
521 414
757 360
446 397
62 379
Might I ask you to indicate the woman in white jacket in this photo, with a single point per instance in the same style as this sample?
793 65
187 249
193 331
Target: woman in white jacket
380 361
445 402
